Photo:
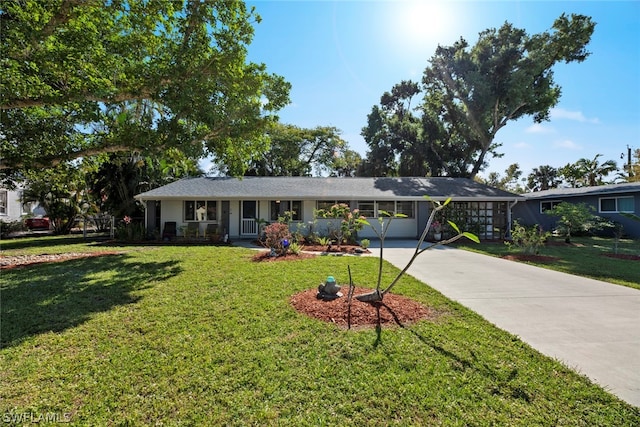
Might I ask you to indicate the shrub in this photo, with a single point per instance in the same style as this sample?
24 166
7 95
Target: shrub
364 243
295 248
7 227
276 235
324 241
298 234
529 239
129 230
350 221
573 217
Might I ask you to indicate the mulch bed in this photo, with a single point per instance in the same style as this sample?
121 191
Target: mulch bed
265 256
342 249
542 259
7 262
394 310
310 251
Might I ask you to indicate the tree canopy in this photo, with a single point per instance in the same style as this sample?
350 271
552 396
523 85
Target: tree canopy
469 93
295 151
99 76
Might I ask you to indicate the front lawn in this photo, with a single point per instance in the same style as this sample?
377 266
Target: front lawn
585 256
204 336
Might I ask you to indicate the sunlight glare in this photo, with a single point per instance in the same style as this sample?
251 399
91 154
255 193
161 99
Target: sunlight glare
422 23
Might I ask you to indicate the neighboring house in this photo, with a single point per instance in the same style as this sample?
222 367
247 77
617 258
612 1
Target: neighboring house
238 206
11 206
608 201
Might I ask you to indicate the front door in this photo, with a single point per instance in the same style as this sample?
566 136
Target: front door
249 225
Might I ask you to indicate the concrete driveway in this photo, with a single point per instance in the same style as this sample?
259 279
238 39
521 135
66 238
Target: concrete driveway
591 326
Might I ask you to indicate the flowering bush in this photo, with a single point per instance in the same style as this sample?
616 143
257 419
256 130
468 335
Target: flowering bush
436 226
129 230
350 221
277 237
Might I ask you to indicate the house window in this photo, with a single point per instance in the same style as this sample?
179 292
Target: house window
326 204
487 220
547 206
200 210
25 207
371 209
617 204
3 202
279 207
367 208
405 208
388 207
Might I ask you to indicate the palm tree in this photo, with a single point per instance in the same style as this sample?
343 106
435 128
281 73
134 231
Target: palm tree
593 172
543 178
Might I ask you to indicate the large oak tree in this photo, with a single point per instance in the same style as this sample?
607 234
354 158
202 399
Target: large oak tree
469 94
296 151
81 77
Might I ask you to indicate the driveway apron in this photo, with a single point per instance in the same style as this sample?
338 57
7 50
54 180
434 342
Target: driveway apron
591 326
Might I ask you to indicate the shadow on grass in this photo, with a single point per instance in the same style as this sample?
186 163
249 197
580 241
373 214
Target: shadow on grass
56 296
504 381
48 241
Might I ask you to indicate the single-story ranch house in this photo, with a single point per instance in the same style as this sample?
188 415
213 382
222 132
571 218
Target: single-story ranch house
608 201
236 207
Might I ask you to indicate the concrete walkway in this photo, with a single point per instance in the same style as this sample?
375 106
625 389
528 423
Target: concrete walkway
593 327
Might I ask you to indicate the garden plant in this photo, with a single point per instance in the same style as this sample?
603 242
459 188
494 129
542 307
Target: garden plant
384 220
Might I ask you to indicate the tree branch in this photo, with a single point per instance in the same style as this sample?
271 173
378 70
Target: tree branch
54 161
143 93
62 16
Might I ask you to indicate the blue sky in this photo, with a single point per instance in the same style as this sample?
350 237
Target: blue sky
341 56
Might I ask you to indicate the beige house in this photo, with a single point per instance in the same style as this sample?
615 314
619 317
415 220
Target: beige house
236 207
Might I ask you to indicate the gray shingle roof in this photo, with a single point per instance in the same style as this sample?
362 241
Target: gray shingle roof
626 187
308 188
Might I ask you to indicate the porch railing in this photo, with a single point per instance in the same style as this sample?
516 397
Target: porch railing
249 227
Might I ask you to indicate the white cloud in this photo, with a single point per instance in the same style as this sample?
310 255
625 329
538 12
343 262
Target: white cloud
521 145
538 128
567 144
578 116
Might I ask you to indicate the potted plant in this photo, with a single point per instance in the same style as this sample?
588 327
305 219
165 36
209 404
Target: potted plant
437 230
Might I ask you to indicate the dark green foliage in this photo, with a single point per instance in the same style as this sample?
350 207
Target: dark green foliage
81 78
469 94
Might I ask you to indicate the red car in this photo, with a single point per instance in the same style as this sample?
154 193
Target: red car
37 223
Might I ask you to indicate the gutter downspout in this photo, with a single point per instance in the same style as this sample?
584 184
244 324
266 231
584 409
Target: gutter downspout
509 219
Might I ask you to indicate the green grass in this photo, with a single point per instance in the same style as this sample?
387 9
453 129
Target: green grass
205 336
585 257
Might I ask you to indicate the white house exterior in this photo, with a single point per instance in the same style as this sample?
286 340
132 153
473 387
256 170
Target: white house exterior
236 207
13 209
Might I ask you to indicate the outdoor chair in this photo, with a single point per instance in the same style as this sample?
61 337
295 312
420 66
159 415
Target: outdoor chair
193 230
170 231
211 232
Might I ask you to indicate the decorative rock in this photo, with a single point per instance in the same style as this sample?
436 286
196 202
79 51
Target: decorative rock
329 290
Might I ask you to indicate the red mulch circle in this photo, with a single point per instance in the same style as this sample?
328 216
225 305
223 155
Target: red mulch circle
394 310
542 259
